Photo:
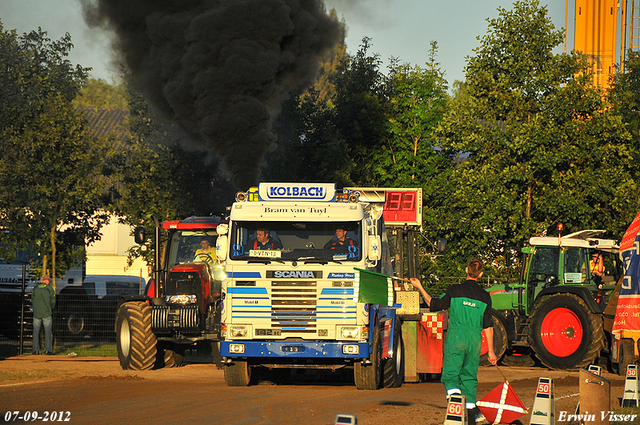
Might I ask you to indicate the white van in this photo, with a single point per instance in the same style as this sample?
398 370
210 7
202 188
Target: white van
90 310
116 285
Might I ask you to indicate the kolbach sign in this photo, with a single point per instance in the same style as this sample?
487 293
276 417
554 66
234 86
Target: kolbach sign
297 191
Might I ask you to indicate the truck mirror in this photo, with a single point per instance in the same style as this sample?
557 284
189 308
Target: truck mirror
375 248
221 247
139 235
526 250
222 229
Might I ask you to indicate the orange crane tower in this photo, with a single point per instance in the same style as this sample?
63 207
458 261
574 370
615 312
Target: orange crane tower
603 30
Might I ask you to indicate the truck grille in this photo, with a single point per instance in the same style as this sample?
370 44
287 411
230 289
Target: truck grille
294 306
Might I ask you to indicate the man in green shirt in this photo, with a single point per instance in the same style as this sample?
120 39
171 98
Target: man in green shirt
43 299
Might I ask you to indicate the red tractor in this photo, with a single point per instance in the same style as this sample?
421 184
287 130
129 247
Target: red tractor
181 304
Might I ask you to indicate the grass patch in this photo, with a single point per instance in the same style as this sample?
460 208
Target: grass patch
81 350
87 350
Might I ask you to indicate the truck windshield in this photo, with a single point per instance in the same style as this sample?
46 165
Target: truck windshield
189 246
296 241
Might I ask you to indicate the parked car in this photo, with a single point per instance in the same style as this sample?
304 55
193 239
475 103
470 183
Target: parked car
89 311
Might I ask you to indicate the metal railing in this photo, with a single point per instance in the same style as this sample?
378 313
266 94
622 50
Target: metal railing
80 323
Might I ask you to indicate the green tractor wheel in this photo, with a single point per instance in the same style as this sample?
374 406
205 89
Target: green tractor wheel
564 333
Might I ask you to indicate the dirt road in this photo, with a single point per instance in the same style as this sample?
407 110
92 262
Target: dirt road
98 391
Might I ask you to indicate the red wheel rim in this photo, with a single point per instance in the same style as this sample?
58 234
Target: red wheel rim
561 332
484 347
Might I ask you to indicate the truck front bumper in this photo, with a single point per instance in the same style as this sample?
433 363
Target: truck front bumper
280 349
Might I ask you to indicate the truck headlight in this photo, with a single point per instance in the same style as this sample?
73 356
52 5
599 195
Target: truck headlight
350 349
182 299
236 348
237 331
349 332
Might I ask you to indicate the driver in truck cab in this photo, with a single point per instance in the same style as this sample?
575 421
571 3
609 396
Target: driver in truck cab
341 243
206 253
597 264
263 241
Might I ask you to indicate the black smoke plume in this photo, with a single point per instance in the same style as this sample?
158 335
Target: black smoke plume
221 68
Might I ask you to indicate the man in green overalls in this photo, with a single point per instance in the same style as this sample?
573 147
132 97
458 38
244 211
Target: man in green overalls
470 313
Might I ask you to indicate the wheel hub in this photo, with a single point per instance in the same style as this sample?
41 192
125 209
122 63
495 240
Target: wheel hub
561 332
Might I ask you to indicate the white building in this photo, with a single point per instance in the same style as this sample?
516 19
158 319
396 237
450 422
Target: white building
108 256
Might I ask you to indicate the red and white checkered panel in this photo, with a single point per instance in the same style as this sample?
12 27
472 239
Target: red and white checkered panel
435 324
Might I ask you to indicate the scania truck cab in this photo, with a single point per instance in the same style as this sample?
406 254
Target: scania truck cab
294 256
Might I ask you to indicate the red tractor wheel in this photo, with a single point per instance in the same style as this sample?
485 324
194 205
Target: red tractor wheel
564 333
519 357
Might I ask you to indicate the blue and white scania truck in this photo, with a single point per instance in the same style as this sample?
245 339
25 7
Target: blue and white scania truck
295 257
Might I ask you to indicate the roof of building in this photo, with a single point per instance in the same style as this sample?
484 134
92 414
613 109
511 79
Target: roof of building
106 122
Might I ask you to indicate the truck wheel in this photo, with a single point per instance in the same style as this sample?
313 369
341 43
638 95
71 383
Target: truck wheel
237 374
169 354
626 356
76 323
393 368
518 358
564 333
137 345
367 376
499 341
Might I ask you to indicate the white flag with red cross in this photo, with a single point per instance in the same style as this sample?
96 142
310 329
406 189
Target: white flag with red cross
501 405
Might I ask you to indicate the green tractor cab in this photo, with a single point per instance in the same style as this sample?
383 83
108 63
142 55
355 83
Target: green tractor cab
556 308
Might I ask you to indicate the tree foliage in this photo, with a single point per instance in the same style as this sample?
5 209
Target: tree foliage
50 169
416 101
537 144
98 93
371 129
625 97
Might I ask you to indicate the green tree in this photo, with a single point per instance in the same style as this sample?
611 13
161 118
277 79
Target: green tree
625 96
325 87
311 147
98 93
536 143
359 114
417 99
51 184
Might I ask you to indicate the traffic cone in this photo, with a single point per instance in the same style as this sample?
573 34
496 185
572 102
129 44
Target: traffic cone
631 397
456 410
543 412
596 370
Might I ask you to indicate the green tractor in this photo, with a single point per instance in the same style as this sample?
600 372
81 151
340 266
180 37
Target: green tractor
555 311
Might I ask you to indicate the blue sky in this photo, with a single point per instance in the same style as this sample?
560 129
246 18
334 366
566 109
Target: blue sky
399 28
405 28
